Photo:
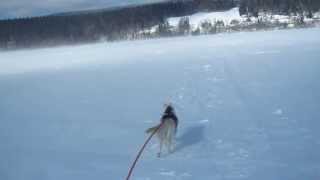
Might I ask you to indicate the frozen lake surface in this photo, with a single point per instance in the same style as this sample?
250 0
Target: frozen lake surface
248 105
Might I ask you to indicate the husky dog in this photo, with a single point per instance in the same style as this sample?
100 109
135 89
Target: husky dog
167 132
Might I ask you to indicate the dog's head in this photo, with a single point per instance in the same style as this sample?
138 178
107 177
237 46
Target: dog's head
169 112
169 109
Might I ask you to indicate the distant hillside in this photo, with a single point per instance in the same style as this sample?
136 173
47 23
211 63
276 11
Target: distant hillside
90 26
152 20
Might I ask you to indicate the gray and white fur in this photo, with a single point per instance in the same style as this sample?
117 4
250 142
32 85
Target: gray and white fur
167 132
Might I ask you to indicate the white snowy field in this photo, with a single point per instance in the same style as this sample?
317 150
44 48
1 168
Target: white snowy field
197 18
248 104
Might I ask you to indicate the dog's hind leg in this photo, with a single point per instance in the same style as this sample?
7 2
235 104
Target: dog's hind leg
160 146
171 143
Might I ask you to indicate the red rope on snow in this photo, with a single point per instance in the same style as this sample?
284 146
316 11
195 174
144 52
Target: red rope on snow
141 150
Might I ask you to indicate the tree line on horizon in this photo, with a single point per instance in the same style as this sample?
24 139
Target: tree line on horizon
109 24
284 7
128 22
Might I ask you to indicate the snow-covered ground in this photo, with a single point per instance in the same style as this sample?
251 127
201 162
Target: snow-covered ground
248 105
197 18
232 17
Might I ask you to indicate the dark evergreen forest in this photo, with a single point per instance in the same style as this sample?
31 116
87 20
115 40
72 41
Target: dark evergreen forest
285 7
124 23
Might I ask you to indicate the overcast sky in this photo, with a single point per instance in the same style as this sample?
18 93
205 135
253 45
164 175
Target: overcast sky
27 8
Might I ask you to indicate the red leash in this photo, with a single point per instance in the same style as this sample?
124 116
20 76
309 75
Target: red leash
141 150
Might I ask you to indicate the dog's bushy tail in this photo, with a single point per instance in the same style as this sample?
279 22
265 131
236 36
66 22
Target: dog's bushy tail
152 129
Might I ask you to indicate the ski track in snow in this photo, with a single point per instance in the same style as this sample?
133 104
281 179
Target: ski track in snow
247 110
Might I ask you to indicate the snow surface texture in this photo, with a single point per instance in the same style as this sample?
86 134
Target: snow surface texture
248 105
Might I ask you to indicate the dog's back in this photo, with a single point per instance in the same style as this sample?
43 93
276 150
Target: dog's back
170 114
167 132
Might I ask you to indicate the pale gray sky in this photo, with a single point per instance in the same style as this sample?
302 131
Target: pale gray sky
27 8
